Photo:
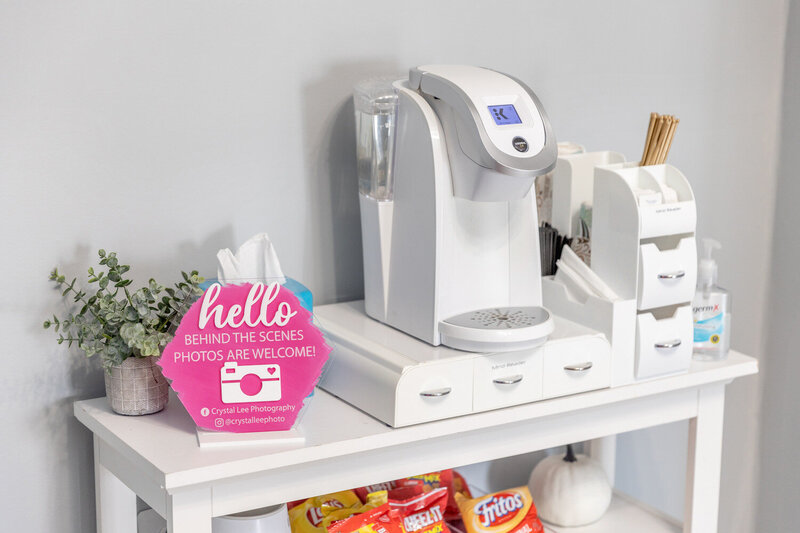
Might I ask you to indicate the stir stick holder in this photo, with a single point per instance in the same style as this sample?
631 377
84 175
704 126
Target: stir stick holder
644 248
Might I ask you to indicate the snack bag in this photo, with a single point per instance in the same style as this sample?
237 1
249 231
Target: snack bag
306 516
434 480
423 513
399 489
445 478
508 511
460 486
381 519
333 514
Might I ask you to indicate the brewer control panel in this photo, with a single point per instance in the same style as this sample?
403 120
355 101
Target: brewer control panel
500 122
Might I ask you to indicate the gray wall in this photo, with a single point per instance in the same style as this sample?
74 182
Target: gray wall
166 130
780 430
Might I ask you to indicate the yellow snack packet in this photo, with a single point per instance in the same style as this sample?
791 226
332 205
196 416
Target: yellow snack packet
308 516
374 499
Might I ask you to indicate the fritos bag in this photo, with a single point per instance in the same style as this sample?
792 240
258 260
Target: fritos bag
307 516
423 513
508 511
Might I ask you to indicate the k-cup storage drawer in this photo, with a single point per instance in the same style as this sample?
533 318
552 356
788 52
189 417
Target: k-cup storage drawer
576 365
667 277
664 345
434 391
505 379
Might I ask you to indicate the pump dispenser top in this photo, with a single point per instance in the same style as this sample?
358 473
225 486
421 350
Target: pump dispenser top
707 271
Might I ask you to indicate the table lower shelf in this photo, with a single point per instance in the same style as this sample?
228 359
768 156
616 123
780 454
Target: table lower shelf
625 514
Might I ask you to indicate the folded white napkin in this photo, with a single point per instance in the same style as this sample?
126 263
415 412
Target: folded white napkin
580 279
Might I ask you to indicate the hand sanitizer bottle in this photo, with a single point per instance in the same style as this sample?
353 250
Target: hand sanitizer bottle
711 308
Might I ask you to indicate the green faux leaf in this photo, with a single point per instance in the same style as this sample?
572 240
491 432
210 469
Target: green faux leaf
118 325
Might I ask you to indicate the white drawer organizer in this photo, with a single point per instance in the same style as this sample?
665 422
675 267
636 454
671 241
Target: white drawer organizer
643 246
403 381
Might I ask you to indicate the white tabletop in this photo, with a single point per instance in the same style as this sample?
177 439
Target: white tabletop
164 446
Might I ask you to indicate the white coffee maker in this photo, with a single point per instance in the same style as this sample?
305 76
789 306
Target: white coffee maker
452 256
452 320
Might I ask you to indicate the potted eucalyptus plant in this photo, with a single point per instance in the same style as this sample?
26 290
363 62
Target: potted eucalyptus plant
128 328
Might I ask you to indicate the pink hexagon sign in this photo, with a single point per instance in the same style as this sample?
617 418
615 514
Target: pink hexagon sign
245 357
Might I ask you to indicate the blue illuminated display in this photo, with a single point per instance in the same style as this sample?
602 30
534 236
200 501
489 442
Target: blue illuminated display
504 114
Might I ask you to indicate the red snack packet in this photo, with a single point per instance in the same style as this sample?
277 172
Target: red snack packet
423 513
460 485
382 519
434 480
444 478
408 487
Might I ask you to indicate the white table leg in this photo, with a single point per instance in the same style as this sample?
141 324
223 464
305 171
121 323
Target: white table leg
189 511
115 502
604 450
704 462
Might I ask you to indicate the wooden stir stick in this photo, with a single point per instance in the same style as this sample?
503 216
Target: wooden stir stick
660 133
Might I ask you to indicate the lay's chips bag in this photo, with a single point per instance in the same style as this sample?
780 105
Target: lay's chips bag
308 516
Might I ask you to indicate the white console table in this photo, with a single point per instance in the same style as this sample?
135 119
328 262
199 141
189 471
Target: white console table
157 457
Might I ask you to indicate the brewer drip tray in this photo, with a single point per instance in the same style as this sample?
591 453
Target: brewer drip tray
497 329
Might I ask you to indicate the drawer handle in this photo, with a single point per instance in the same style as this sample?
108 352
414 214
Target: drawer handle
672 275
510 380
436 393
674 343
580 367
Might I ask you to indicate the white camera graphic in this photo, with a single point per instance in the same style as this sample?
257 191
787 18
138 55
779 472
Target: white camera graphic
250 383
